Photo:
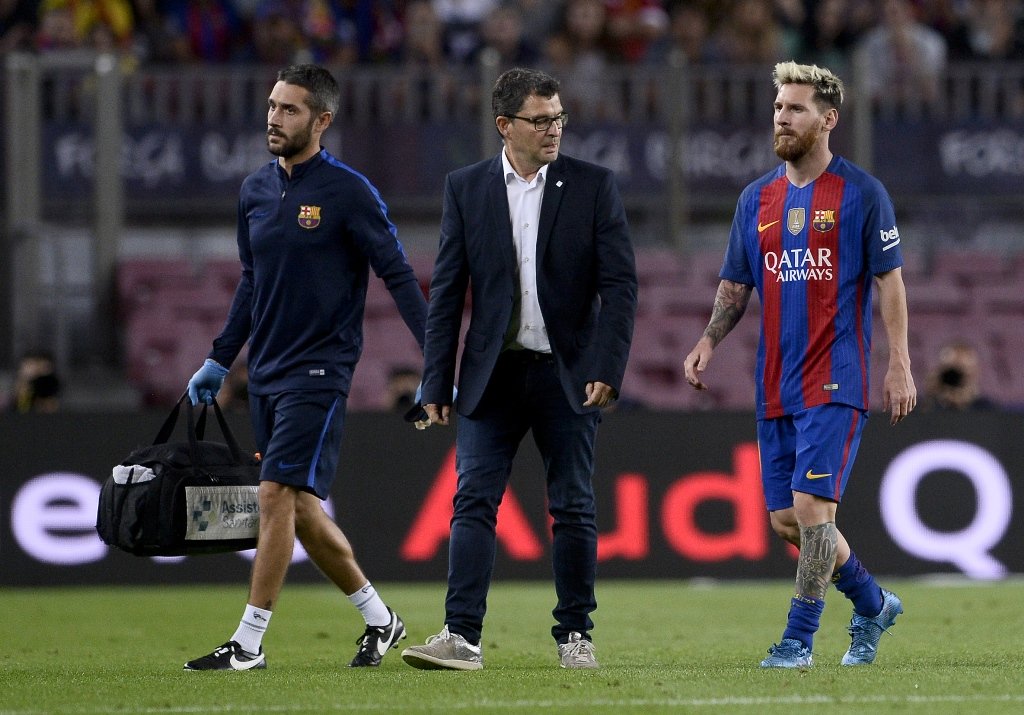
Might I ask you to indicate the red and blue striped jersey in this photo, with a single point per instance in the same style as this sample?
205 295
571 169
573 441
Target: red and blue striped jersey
812 253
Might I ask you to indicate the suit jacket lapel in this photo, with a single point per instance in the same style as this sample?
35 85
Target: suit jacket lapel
502 220
554 188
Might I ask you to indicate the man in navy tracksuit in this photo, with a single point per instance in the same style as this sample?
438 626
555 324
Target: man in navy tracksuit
309 228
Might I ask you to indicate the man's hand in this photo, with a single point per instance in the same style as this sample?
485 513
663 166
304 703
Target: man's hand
697 361
599 394
206 383
899 394
436 414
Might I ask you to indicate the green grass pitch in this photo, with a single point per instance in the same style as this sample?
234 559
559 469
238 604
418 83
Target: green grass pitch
664 646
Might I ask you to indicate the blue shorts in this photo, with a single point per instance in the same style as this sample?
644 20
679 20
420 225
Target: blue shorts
299 435
811 451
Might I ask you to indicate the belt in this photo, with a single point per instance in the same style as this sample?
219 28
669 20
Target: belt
527 356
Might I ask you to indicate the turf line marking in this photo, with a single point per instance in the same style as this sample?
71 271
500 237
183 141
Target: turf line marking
711 703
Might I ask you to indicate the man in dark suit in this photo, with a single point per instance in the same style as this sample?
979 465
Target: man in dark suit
542 242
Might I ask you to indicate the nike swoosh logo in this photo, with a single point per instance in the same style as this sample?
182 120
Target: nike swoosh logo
285 465
812 475
765 226
384 645
244 664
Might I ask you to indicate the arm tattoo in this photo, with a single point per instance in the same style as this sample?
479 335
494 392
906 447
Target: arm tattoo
730 303
818 546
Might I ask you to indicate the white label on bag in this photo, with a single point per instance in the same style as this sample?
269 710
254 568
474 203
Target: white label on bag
132 474
228 512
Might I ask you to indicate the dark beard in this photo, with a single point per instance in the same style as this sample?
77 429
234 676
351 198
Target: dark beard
794 151
291 145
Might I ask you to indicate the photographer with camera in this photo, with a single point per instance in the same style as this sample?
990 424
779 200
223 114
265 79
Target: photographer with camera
953 383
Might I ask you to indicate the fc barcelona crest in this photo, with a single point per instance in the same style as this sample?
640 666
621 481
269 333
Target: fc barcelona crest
309 216
795 220
823 220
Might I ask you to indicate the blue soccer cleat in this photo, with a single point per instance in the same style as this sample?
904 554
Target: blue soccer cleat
790 653
866 632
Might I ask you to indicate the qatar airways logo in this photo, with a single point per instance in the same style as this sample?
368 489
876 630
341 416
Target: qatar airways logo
800 264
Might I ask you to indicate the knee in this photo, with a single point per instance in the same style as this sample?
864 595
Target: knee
308 513
785 525
277 501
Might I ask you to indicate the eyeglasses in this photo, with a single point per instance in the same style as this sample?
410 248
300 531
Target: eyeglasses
542 124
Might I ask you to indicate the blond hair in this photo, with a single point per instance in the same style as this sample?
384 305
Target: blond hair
828 88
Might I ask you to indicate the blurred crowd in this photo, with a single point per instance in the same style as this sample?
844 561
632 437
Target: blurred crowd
910 36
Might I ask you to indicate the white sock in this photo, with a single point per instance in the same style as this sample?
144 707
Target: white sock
251 629
375 613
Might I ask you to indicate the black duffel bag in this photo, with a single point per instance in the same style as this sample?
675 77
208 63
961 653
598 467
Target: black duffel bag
177 498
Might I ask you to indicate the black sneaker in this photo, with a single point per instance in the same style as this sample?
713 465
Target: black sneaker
376 641
229 656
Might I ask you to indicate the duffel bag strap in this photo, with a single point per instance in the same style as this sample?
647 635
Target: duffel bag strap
167 428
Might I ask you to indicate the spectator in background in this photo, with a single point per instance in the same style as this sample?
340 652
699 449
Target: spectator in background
688 32
990 30
462 20
18 22
56 31
277 36
953 384
203 31
751 33
540 17
429 85
37 386
634 25
580 52
103 24
901 60
828 38
372 27
503 32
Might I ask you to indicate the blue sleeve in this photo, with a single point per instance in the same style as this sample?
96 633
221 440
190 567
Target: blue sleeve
235 333
736 267
882 238
377 237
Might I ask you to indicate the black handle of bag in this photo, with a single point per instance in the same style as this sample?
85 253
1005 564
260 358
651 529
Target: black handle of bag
167 428
196 429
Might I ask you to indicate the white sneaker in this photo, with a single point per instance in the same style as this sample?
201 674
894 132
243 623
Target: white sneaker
577 653
445 651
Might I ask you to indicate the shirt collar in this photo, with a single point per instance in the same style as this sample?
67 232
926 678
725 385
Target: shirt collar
511 173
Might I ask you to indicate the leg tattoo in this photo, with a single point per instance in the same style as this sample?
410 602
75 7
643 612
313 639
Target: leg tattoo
818 546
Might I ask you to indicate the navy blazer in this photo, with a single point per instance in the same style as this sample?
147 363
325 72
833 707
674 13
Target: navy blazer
586 280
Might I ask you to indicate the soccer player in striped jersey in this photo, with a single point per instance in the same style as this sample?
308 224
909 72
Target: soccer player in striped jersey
812 236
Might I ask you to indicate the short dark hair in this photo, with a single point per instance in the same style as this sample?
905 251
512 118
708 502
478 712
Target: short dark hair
324 94
513 87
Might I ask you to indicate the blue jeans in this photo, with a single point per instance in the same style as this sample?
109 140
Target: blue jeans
524 393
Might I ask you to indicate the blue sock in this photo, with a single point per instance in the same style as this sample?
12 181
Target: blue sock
804 618
854 582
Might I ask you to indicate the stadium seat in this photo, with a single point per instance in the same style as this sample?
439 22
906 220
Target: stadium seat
659 266
966 267
703 268
139 281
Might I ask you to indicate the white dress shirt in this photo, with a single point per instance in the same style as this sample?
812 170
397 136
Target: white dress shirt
524 200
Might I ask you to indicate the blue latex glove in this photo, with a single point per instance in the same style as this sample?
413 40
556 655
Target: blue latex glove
206 383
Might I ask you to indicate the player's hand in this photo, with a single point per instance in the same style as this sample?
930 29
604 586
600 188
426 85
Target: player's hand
418 414
599 394
899 394
206 383
696 362
437 414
